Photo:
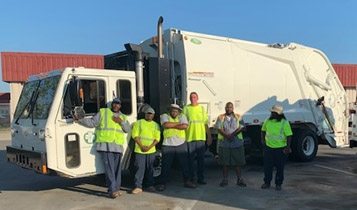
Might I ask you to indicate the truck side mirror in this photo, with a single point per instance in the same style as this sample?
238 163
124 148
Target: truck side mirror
75 92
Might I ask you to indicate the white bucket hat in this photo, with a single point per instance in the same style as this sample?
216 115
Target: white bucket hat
278 109
175 106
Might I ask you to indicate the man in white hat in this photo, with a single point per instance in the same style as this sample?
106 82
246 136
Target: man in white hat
174 145
276 138
146 134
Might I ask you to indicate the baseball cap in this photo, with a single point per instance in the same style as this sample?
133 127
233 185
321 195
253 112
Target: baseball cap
150 110
117 100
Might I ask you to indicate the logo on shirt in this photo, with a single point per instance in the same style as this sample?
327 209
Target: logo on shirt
89 137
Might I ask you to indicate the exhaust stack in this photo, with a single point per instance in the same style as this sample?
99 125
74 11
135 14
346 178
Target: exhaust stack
136 49
159 36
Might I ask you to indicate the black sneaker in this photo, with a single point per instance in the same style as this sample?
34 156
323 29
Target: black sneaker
189 184
241 183
278 187
202 182
161 187
265 186
224 182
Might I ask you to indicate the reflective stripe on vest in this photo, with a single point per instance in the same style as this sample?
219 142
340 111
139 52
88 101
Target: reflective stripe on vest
281 136
237 116
109 131
277 140
170 132
145 141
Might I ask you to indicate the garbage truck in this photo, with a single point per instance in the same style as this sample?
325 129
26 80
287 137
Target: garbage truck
353 117
165 69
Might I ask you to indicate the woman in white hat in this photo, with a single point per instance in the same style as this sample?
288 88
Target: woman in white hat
276 137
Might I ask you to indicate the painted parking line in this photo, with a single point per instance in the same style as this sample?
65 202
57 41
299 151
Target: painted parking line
189 204
334 169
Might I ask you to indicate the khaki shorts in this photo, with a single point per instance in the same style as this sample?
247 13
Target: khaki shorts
231 156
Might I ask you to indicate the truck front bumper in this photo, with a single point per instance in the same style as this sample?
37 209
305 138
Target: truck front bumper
32 160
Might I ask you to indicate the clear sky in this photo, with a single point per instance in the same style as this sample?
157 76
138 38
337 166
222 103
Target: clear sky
102 27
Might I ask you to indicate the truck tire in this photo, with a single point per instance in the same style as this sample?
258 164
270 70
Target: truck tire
304 145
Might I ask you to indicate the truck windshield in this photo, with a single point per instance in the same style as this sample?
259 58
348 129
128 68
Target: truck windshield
39 95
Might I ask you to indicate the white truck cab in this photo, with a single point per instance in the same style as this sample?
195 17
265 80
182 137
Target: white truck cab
44 135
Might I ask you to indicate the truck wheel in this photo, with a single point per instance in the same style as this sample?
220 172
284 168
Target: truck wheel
304 145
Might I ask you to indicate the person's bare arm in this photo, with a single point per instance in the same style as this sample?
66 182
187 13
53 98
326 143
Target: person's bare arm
262 137
142 147
287 149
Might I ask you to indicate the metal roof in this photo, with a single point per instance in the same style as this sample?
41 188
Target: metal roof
18 66
347 73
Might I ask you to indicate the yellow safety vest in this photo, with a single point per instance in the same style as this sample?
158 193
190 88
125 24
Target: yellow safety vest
109 131
274 136
222 118
196 118
170 132
147 133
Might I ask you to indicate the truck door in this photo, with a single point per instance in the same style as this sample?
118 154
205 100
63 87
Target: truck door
125 90
76 152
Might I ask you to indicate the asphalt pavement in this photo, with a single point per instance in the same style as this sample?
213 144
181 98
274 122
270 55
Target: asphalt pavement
327 182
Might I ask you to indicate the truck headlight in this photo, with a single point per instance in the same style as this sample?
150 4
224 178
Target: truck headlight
42 134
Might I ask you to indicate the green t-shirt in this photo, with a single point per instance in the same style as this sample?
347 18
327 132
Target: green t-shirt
276 134
147 132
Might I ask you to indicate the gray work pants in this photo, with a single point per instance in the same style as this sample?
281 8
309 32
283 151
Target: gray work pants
144 164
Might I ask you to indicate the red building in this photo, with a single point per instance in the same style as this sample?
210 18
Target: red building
17 67
347 73
4 109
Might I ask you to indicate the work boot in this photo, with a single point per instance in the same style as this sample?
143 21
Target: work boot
136 191
115 194
151 189
224 182
278 187
161 187
241 183
265 186
202 182
189 184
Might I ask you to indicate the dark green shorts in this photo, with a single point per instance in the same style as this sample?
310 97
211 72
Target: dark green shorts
231 156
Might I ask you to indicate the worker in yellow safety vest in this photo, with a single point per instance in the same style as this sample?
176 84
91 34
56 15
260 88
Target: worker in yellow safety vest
196 136
276 139
231 145
146 134
111 124
174 145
